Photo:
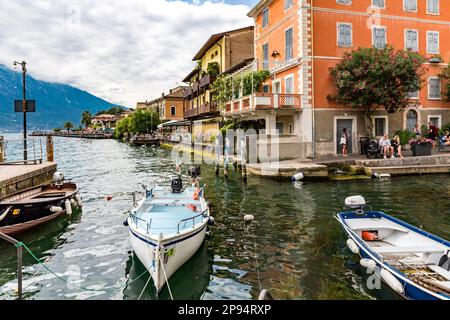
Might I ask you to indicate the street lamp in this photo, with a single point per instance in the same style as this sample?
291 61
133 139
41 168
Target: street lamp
24 107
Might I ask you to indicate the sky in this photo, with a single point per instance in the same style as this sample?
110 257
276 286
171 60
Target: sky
121 51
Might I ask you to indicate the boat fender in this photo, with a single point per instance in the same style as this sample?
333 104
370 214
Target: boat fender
265 295
56 209
249 218
298 177
211 221
125 223
352 246
368 263
73 203
392 281
369 236
79 200
68 207
5 213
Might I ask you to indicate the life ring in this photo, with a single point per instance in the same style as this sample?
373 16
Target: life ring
197 193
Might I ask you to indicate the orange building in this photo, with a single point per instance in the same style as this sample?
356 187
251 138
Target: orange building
299 40
169 106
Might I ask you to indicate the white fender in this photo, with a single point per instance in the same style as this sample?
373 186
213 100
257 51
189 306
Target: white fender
298 177
79 201
392 281
5 214
249 217
352 246
56 209
73 203
368 263
68 207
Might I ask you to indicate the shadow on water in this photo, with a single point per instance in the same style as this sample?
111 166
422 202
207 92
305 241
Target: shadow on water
188 283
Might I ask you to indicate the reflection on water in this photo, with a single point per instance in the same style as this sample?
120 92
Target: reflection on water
294 247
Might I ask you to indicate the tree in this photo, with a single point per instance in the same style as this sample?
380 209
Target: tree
446 75
372 79
140 121
68 125
86 119
113 110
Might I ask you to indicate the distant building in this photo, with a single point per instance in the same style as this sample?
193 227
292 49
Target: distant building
169 106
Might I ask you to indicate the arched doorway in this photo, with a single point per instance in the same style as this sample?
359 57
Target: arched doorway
411 119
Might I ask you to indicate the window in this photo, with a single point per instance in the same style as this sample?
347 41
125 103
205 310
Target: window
265 17
173 110
435 120
411 40
432 42
289 84
434 88
433 6
266 88
380 126
344 31
410 5
348 2
378 3
265 58
411 120
413 95
288 4
289 54
379 37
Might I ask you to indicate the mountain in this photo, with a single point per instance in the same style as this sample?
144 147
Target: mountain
55 103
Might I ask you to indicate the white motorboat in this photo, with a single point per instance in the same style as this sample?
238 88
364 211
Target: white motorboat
413 262
167 227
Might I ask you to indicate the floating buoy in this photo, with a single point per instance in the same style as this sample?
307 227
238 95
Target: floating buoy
56 209
352 246
108 198
368 263
249 217
79 200
211 221
68 207
298 177
392 281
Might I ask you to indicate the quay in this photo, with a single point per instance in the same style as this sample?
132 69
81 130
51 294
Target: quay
83 135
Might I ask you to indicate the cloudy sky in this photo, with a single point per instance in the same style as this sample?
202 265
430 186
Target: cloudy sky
122 51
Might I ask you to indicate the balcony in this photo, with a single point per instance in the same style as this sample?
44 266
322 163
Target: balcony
204 83
203 110
263 101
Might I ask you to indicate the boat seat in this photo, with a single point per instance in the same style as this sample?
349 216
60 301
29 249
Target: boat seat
440 271
400 250
368 224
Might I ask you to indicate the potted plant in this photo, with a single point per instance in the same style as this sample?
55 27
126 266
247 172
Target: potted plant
421 146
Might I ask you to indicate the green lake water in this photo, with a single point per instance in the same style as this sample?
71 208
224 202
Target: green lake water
294 247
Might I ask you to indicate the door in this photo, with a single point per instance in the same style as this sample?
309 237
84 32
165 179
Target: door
340 125
280 127
411 120
276 87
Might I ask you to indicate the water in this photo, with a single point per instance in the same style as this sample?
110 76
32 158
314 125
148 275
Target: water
294 247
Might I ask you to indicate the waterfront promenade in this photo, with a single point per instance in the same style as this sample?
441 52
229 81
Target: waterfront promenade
74 134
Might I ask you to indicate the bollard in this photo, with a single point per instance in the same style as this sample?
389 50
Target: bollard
217 169
49 148
2 153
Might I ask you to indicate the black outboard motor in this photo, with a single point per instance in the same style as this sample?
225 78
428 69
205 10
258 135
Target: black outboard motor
373 149
177 185
194 172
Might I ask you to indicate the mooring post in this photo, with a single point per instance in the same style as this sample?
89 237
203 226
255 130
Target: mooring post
19 261
2 153
244 158
50 148
19 272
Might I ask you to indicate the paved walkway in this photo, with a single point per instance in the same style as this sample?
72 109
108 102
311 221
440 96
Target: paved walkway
20 171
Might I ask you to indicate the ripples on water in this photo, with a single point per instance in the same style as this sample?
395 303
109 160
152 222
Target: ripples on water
294 247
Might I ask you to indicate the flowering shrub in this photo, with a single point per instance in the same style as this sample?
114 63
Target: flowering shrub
420 140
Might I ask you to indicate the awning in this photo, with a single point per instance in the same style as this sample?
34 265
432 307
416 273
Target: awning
174 123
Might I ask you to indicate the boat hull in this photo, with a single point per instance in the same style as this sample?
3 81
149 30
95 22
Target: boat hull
411 290
172 252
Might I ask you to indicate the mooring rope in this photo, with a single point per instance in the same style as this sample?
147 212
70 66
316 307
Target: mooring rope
21 244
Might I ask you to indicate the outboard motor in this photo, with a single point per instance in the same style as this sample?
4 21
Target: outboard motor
194 171
58 178
177 185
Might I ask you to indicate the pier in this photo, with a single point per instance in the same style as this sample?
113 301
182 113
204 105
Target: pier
77 134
